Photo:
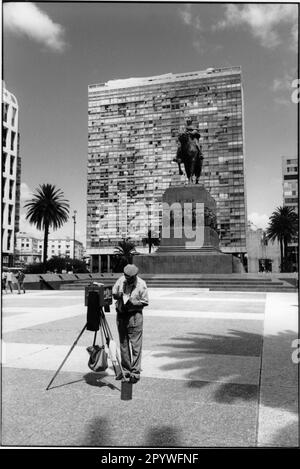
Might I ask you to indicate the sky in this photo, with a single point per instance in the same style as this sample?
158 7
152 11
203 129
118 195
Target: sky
52 51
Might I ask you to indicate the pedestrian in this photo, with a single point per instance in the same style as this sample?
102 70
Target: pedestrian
10 280
4 281
20 281
131 294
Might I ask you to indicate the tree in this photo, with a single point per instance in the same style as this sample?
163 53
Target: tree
155 241
124 252
47 209
58 263
283 226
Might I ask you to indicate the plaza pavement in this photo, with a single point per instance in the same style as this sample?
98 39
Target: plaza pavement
217 372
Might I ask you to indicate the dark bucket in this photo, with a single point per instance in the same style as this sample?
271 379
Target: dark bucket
126 391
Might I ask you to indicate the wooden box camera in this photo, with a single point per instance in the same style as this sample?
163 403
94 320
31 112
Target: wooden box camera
104 292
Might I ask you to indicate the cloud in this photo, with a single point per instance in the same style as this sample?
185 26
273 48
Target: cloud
282 87
26 192
263 20
198 45
259 220
26 19
189 18
26 227
193 21
294 42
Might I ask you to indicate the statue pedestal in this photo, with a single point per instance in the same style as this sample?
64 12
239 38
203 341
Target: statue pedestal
189 241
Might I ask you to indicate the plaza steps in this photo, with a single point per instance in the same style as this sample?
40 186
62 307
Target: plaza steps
213 282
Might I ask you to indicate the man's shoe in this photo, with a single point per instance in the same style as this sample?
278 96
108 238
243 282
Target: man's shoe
133 379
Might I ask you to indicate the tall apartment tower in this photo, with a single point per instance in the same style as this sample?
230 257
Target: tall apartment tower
290 182
11 175
133 125
291 199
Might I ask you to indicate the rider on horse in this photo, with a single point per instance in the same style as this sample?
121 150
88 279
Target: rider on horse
191 133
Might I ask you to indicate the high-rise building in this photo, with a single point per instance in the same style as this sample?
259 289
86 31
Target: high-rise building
290 182
11 175
133 125
290 199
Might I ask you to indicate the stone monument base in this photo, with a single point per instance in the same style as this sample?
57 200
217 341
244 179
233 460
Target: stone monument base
176 254
188 263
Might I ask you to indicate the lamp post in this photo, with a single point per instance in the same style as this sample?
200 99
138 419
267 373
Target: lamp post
74 218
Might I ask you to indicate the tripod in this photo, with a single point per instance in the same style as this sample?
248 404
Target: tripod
111 345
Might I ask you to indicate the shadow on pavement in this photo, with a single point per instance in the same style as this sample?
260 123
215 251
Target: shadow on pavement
66 384
98 433
191 350
162 436
98 379
230 393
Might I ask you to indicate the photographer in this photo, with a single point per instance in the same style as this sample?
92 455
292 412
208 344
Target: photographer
131 294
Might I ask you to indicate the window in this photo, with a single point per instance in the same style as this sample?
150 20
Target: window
12 141
5 111
3 187
9 238
4 162
10 211
11 188
13 119
4 137
12 163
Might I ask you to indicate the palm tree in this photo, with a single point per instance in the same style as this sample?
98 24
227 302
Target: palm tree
124 252
47 209
151 241
283 226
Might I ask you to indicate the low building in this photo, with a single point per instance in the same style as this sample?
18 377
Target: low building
263 255
64 247
27 249
30 249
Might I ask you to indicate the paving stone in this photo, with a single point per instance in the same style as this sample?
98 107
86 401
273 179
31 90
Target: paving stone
78 414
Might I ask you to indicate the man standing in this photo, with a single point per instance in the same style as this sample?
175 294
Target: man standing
20 281
10 280
4 278
131 294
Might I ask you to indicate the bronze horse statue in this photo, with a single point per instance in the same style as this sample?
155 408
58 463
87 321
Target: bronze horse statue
190 154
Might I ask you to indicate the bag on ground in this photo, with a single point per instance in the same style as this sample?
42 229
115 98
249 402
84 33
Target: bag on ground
98 358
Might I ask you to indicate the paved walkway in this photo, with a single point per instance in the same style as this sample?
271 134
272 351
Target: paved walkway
217 371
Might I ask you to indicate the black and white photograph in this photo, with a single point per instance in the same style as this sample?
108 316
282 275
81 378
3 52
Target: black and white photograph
150 232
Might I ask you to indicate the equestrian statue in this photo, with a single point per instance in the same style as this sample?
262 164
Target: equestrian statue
189 152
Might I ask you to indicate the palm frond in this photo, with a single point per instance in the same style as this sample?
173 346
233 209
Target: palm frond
47 208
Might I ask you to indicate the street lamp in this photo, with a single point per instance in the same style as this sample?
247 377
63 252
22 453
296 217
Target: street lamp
74 218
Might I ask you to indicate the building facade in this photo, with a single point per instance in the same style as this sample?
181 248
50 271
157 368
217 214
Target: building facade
30 249
11 175
290 182
262 255
291 199
133 125
64 247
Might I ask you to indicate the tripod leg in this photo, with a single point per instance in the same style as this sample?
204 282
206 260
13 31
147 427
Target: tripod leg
112 346
108 342
65 359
